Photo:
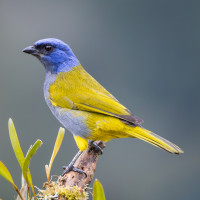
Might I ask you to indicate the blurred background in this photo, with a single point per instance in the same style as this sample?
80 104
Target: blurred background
144 52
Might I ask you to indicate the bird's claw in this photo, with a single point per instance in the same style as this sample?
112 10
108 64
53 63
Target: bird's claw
72 168
97 147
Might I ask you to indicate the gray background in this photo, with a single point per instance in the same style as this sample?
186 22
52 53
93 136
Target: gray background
146 53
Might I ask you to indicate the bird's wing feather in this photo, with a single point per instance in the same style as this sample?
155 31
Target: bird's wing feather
76 89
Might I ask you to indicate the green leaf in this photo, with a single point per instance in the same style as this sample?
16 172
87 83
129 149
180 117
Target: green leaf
17 150
57 145
98 192
32 150
4 172
15 143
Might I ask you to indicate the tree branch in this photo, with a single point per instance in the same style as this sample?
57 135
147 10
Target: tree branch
87 162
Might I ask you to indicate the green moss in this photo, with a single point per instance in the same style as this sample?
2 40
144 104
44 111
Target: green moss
52 190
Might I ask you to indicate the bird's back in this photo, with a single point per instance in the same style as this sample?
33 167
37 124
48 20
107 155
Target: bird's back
75 83
77 89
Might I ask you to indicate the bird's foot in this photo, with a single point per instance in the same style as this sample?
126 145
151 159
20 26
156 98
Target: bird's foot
96 147
71 167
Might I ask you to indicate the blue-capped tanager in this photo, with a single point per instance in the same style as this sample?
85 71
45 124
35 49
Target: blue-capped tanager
82 105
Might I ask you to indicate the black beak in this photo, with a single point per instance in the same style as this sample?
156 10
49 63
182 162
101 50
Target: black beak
31 50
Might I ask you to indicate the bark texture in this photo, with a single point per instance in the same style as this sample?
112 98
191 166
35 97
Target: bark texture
87 162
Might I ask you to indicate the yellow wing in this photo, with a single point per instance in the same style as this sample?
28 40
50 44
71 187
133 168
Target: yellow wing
76 89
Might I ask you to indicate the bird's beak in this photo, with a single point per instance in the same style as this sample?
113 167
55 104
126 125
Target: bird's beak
31 50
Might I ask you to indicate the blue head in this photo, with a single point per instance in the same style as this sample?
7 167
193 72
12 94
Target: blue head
55 55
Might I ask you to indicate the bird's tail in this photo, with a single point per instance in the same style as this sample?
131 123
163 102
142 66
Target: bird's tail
152 138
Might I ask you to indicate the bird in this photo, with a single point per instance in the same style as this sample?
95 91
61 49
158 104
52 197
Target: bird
82 105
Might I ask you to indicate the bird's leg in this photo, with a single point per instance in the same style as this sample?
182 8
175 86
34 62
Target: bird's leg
71 167
97 147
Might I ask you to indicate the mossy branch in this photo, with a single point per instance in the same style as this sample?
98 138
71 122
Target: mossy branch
73 185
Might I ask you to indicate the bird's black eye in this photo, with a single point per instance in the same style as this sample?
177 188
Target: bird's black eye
48 48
